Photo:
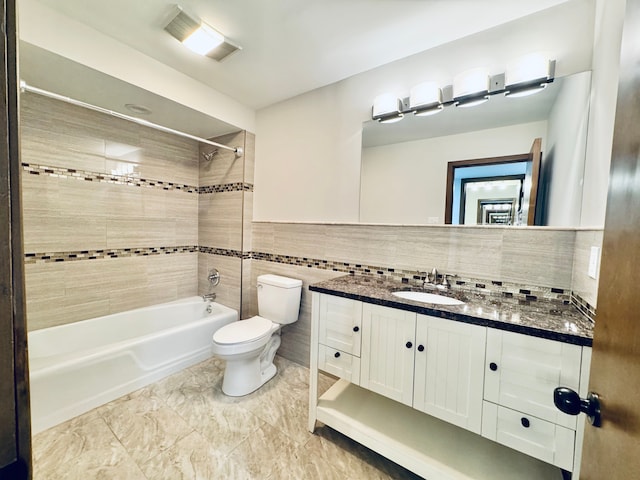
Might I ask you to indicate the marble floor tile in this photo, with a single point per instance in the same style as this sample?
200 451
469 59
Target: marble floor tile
144 424
184 427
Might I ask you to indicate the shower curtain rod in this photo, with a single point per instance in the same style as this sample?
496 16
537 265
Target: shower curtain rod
28 88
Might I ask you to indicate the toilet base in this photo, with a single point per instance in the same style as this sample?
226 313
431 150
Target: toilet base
248 373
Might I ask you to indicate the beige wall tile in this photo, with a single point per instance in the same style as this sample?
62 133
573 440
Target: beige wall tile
538 256
247 220
249 157
475 252
49 233
220 220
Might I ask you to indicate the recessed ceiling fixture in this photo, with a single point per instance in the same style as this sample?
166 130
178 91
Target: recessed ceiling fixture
199 37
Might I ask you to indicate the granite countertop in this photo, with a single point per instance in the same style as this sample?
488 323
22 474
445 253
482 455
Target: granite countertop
540 318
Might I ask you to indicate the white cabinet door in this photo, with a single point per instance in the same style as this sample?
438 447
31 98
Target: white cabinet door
340 323
522 372
449 371
388 343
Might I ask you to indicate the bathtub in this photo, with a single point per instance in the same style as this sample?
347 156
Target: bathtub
82 365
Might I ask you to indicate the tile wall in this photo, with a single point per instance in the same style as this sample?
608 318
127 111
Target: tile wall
224 211
118 216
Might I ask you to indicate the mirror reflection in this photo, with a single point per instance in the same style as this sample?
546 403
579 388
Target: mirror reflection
404 169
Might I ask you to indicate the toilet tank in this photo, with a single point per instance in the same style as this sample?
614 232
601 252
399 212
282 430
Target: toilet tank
279 298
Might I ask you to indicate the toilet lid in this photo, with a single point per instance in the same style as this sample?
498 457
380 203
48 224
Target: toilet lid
243 331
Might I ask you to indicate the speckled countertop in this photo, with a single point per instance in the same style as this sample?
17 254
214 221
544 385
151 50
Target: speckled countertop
540 318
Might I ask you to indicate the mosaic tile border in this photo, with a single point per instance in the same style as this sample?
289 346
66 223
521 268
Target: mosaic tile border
226 187
225 252
583 306
88 176
56 257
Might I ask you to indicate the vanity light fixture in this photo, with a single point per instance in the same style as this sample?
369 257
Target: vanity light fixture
426 99
199 37
530 74
387 108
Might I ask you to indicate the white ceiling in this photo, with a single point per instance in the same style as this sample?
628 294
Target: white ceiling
292 46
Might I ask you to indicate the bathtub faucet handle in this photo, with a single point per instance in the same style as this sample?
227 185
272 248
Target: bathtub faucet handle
214 277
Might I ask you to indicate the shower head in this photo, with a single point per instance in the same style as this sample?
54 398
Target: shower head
208 156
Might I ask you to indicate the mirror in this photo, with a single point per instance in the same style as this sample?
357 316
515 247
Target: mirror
404 164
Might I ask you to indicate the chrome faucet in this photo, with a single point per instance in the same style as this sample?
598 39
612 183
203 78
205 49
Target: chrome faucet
431 278
209 296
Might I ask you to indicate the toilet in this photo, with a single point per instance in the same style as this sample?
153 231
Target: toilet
248 346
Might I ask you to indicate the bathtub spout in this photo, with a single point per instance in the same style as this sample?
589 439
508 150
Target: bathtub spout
209 296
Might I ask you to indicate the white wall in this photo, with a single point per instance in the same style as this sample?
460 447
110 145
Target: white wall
406 182
47 29
308 147
564 158
606 65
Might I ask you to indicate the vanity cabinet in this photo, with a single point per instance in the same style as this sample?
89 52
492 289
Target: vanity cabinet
521 374
420 390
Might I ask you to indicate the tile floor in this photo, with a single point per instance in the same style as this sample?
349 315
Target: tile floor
184 427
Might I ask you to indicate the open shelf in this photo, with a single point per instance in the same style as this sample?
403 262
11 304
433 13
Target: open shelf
423 444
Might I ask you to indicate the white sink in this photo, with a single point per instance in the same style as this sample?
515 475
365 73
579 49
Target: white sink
427 298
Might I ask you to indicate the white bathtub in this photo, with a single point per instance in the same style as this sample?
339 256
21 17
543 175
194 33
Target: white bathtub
82 365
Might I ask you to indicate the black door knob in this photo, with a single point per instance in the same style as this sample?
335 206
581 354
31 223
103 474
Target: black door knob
409 345
337 354
569 402
493 367
525 422
421 348
356 328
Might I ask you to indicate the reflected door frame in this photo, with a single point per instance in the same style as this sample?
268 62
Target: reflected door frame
533 156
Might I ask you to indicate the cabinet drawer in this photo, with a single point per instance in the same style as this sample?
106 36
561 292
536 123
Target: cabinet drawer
544 440
521 373
340 364
340 323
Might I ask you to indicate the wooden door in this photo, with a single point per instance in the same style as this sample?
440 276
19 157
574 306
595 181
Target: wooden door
15 431
530 188
613 451
449 371
388 342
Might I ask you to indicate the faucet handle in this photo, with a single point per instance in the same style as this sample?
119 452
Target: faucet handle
445 281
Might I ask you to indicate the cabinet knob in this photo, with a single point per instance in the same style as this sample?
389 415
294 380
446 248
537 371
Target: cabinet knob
421 348
337 354
493 366
409 345
525 422
356 328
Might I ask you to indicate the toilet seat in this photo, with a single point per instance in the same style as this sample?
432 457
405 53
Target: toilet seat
244 331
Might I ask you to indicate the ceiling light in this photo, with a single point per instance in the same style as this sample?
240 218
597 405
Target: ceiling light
387 108
138 109
198 36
